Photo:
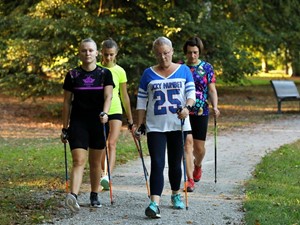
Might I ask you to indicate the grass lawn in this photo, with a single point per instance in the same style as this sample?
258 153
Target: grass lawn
273 194
32 178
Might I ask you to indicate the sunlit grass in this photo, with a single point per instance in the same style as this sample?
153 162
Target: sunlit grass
274 74
273 194
29 167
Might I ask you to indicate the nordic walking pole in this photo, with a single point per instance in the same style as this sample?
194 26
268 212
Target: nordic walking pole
140 153
184 166
139 148
144 167
215 138
66 168
108 168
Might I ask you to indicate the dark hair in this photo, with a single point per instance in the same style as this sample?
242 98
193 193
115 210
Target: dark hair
194 41
109 43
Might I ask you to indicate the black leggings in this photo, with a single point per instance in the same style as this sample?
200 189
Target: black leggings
157 143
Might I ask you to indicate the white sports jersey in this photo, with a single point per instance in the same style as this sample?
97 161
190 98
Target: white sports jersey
162 96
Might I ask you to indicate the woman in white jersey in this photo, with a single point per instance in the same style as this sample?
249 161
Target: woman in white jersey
109 51
164 89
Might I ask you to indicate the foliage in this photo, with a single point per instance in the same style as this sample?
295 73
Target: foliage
273 193
41 36
273 29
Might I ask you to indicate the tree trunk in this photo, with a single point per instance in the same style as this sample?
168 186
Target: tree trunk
295 62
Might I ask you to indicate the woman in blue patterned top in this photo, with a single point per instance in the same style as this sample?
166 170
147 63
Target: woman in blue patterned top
204 78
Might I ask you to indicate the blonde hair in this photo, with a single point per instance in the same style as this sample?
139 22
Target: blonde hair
161 41
88 40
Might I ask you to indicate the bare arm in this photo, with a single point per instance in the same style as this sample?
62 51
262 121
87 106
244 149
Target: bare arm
66 111
212 91
126 102
108 93
66 108
190 102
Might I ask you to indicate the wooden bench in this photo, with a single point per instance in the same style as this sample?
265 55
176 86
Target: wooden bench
285 90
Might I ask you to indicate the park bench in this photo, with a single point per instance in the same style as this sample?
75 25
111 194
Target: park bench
285 90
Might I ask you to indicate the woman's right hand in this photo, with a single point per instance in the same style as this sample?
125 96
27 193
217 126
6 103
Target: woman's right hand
64 135
141 130
103 117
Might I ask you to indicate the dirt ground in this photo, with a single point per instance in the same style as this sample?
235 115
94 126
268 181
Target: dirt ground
28 118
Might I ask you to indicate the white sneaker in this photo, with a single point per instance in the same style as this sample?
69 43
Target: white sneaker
105 183
71 203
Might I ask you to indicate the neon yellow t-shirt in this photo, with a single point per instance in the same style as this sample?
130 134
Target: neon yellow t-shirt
119 77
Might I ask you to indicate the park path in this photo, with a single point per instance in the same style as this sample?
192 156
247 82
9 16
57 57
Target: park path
239 150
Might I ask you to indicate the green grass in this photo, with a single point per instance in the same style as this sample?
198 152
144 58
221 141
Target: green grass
29 167
32 178
273 195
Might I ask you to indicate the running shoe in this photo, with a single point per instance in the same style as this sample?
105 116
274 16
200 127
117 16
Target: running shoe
71 203
94 200
177 202
190 185
105 183
197 173
152 211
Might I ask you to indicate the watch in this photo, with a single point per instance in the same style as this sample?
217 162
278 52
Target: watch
190 108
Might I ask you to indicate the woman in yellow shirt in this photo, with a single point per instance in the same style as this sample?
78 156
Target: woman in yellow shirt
109 51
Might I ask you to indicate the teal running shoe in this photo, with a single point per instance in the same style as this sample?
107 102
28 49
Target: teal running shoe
177 202
152 211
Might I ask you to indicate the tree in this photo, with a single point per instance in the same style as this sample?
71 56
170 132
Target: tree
272 27
42 37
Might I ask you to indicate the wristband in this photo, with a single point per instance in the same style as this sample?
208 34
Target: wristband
190 108
103 114
130 125
64 130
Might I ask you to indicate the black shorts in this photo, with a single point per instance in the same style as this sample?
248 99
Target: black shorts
112 117
199 126
115 117
86 133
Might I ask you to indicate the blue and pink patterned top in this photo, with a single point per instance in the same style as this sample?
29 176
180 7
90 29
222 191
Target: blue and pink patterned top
203 75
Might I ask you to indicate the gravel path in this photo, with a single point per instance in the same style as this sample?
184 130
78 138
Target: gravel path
211 203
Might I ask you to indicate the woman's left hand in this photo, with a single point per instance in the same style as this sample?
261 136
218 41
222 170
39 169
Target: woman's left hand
216 112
